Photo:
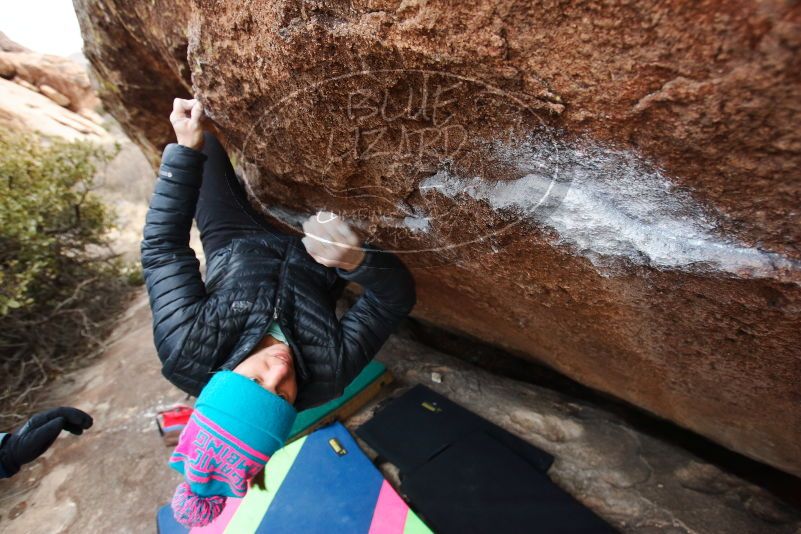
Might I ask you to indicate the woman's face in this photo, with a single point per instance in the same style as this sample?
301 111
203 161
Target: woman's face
271 366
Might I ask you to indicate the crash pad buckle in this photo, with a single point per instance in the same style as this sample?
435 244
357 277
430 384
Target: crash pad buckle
431 406
337 447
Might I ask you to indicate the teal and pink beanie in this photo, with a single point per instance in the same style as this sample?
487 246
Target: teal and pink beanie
235 428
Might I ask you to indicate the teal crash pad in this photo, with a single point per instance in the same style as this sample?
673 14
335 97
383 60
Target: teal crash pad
359 391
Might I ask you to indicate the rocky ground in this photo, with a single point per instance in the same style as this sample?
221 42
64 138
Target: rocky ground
114 477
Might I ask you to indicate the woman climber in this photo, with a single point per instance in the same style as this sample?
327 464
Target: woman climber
259 339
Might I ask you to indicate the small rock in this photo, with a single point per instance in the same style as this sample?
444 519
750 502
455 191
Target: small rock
436 378
17 510
7 69
704 478
26 84
54 95
550 427
92 116
770 509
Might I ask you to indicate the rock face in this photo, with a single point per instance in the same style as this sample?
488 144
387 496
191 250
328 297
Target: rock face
58 78
27 110
47 94
612 189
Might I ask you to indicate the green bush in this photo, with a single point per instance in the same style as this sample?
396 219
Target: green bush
59 280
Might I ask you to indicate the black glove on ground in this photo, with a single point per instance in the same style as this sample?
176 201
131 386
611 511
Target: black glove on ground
34 437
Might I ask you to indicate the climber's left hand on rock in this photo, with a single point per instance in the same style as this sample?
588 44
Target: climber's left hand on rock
187 121
331 242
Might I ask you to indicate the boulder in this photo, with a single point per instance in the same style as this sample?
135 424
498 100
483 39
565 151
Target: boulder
54 95
609 188
7 45
7 69
65 79
25 84
29 111
35 89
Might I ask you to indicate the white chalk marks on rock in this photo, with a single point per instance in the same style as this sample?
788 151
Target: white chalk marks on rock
610 206
407 161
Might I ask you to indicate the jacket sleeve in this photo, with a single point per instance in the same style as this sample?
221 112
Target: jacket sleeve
388 297
3 472
171 270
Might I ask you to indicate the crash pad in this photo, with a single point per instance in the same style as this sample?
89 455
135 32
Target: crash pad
409 430
479 485
320 483
364 387
464 474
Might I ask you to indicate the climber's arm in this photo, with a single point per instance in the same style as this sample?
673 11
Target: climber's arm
171 270
3 472
388 296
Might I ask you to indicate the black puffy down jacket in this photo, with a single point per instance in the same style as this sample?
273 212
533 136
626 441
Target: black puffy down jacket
199 328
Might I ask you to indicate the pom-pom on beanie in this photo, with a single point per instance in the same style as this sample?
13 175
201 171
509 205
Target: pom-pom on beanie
235 428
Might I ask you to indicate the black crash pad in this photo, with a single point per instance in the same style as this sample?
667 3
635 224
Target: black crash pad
463 474
412 428
478 485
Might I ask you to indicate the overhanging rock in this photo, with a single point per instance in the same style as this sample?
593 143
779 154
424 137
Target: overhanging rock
612 190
